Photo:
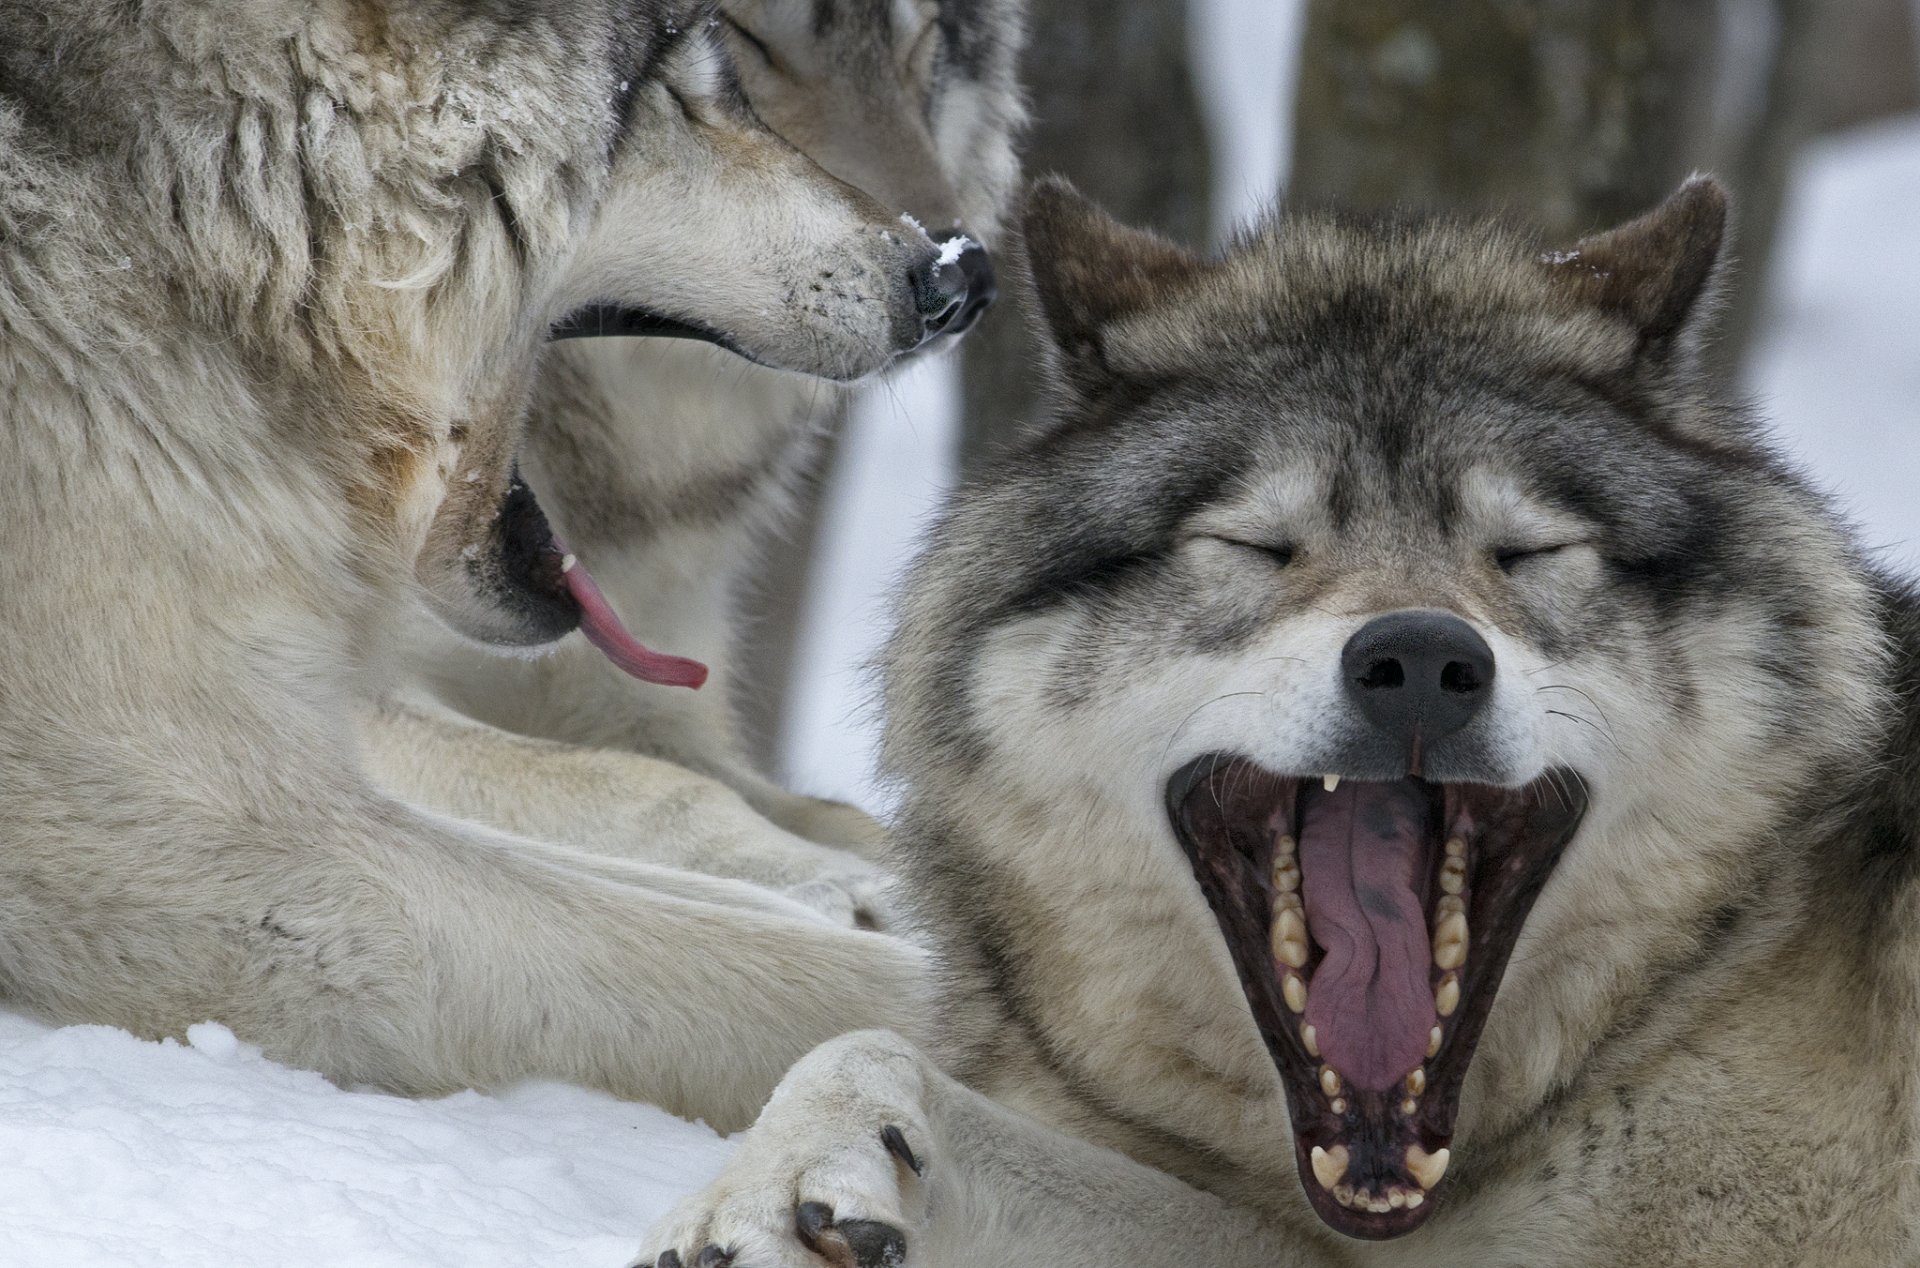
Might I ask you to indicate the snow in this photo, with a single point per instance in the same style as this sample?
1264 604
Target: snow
951 250
117 1151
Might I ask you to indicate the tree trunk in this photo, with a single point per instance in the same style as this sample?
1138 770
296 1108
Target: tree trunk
1578 114
1574 113
1114 110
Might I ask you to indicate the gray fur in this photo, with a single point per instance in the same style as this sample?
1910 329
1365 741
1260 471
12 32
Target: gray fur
1704 1045
668 464
275 280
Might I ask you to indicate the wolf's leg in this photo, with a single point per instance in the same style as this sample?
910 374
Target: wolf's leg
609 802
382 945
867 1157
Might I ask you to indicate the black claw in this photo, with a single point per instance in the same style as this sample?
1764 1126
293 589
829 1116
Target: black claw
896 1142
874 1245
813 1221
668 1259
713 1257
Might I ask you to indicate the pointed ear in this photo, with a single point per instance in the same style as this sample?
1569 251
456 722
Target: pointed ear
1657 271
1089 270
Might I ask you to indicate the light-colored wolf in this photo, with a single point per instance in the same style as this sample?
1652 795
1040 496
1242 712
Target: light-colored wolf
668 463
1399 772
275 279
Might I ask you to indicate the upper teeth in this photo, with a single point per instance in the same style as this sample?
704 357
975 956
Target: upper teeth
1329 782
567 563
1450 941
1290 938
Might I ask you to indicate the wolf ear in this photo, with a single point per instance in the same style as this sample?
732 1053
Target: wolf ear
1089 270
1657 271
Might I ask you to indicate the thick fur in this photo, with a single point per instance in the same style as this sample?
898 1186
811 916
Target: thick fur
666 464
274 284
1703 1051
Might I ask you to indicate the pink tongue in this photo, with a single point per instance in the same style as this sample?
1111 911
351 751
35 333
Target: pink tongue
604 630
1363 862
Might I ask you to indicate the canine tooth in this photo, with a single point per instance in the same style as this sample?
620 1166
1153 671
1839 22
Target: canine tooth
1329 1165
569 563
1433 1041
1456 848
1453 875
1330 782
1329 1080
1446 997
1416 1082
1295 991
1311 1038
1426 1167
1450 941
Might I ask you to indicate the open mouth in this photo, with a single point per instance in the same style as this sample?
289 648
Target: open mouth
554 593
1370 923
610 321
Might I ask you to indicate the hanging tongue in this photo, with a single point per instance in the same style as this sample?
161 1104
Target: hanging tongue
1363 864
603 629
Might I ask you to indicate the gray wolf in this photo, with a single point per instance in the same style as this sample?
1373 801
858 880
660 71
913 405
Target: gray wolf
668 463
1397 771
275 282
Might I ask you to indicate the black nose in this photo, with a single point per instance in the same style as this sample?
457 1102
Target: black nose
944 286
1418 675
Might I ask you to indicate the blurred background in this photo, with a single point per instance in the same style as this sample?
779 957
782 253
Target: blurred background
1189 115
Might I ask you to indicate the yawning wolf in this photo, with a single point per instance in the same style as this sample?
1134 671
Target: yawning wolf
1400 772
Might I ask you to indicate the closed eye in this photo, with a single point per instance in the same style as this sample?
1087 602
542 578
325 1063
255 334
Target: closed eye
1280 553
1511 557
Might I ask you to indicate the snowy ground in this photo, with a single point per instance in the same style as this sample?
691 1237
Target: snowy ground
116 1151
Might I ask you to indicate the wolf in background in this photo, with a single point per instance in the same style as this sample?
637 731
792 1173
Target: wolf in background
275 280
1398 772
667 464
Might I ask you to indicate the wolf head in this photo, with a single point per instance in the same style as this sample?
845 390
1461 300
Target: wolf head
1412 590
913 101
374 214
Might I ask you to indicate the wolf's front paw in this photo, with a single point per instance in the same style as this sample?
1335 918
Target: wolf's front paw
834 1172
859 898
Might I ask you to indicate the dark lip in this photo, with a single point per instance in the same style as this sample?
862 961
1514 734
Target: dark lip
1214 805
523 573
615 321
